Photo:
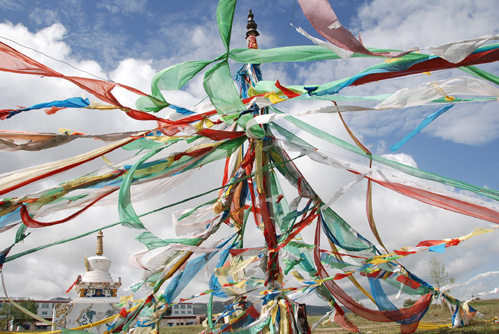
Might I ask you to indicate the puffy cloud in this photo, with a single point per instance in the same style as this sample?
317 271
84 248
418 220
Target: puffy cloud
475 124
391 24
401 158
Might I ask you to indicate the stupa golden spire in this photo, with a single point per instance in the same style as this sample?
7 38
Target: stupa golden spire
99 250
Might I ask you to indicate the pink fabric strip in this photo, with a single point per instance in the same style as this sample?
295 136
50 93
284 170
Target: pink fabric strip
324 20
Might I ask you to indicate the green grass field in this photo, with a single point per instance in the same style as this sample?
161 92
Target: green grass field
437 314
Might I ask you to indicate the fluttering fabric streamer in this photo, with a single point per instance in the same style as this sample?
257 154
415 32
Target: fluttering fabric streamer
439 89
73 102
442 198
35 141
430 118
456 52
324 20
15 180
493 194
12 60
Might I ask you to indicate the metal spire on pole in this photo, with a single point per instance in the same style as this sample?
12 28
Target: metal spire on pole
252 33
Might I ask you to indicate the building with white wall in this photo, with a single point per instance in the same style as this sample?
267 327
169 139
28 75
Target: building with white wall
182 315
182 309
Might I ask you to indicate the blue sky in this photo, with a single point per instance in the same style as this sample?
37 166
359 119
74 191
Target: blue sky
129 41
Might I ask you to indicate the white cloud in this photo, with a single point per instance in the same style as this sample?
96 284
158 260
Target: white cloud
135 73
401 158
44 16
471 124
47 40
393 24
11 4
125 7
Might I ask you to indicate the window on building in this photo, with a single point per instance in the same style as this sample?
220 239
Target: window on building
45 305
182 312
45 313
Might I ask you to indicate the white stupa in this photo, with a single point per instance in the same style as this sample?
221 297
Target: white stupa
97 281
97 295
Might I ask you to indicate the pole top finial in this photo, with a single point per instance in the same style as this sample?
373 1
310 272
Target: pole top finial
251 32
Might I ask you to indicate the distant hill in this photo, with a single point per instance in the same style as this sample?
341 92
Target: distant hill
218 307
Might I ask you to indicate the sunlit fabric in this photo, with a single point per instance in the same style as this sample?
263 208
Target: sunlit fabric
421 126
73 102
324 20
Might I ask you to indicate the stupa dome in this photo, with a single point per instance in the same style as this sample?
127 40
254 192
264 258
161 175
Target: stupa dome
99 270
98 267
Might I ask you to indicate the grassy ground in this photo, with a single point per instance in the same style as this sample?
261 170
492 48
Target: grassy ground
436 314
193 329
